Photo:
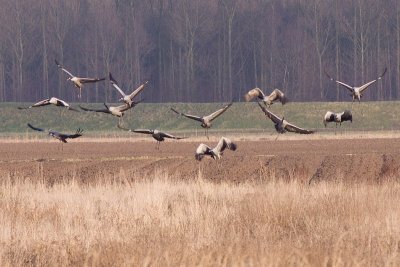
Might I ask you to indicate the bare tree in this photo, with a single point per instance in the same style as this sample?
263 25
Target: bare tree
62 15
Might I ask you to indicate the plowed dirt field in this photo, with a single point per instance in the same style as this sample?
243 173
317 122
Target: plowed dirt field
371 160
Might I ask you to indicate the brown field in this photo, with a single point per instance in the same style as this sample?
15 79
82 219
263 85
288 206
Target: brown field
357 159
121 202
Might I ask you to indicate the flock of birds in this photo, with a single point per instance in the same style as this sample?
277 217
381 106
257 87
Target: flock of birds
281 125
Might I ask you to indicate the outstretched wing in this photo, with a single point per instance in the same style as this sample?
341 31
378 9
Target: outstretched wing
143 131
91 80
44 102
125 107
200 151
95 110
225 143
256 92
217 113
197 118
350 88
73 109
61 103
278 95
294 129
365 86
78 133
167 135
138 90
115 84
269 114
62 68
35 128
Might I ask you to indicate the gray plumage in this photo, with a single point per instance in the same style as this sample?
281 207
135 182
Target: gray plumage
156 134
356 92
216 152
268 100
338 118
59 136
118 111
281 125
78 81
128 99
51 101
205 120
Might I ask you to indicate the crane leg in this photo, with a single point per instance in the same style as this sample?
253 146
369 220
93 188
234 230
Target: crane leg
276 137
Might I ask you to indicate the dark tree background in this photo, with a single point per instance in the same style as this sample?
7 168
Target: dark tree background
199 50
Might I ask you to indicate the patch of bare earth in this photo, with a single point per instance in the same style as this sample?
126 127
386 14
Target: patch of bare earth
347 160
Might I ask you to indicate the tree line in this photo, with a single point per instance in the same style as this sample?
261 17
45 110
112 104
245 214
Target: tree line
199 50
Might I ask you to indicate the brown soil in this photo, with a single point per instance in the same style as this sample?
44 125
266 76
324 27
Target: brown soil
371 160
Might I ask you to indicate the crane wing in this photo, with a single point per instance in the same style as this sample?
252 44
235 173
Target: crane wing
138 90
91 80
143 131
62 103
62 68
269 114
35 128
225 143
44 102
95 110
278 95
125 107
197 118
217 113
73 109
72 136
115 84
201 151
365 86
167 135
256 92
294 129
350 88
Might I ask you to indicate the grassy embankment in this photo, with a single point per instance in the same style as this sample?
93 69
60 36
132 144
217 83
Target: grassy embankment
377 116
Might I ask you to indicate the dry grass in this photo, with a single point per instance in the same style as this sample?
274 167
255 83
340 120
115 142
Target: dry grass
165 222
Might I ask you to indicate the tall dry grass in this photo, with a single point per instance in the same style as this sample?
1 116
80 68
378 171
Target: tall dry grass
165 222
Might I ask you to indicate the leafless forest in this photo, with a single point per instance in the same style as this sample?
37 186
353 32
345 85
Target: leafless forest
199 51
